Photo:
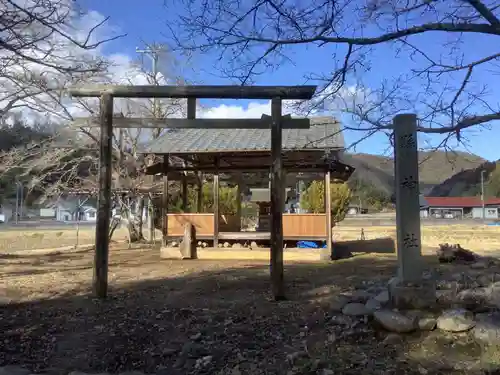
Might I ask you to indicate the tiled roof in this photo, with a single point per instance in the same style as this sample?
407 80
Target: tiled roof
324 133
465 202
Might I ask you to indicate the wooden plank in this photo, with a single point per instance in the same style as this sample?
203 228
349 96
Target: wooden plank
205 123
216 209
204 224
100 278
164 202
251 236
328 213
245 236
201 92
277 277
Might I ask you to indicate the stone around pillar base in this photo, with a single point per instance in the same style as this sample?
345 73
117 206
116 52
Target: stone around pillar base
414 295
170 253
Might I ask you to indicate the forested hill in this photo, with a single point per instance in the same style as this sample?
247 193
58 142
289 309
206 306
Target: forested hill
435 168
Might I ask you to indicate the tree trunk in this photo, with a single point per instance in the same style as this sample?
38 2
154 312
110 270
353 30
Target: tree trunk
134 219
131 218
140 216
112 227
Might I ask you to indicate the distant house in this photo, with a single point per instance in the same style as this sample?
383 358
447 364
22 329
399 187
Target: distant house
88 213
7 212
459 207
69 209
354 209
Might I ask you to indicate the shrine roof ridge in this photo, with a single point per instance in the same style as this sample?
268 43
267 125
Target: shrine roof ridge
325 133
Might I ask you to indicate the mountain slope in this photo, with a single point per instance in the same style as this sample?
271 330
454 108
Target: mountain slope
435 168
465 183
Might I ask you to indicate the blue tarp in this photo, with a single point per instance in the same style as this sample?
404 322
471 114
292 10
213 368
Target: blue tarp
309 245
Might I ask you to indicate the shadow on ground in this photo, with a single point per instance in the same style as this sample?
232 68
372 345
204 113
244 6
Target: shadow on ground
225 321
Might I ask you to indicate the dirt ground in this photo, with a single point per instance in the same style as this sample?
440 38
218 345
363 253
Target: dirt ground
212 317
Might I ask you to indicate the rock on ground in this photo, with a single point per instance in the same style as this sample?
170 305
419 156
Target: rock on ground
472 297
355 309
427 324
446 297
373 305
338 303
359 295
382 297
456 320
14 370
487 329
394 321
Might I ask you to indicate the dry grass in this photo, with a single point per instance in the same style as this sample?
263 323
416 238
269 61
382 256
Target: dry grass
477 238
28 239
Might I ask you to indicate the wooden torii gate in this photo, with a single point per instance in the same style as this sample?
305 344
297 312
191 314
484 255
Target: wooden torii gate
276 122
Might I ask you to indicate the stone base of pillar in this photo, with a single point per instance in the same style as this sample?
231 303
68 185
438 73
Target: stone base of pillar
170 253
414 295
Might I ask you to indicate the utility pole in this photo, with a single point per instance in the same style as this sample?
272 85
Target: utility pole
153 52
482 193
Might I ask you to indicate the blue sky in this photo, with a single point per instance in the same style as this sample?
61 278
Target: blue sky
145 21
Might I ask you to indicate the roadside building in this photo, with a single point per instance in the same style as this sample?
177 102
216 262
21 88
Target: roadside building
459 208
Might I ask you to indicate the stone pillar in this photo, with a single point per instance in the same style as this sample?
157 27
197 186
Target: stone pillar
409 289
407 197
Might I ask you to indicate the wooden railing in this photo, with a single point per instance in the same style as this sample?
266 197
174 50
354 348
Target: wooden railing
304 225
204 223
294 225
298 225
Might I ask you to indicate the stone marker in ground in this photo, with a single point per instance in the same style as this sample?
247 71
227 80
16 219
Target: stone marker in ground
409 289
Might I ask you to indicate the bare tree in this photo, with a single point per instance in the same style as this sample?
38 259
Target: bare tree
66 161
45 45
439 72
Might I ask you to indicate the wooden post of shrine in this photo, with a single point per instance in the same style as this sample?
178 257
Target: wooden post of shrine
216 205
328 213
100 278
164 202
277 273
